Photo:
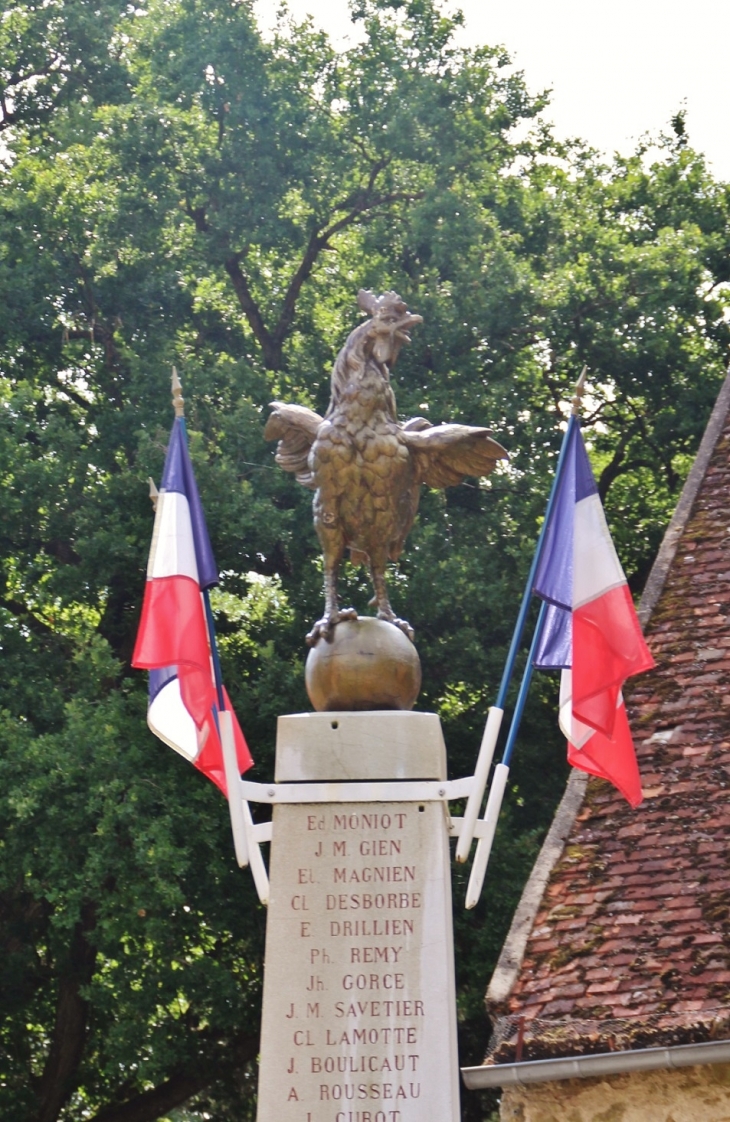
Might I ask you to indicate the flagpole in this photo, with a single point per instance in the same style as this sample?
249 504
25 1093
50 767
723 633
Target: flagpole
501 774
246 848
217 672
496 711
178 404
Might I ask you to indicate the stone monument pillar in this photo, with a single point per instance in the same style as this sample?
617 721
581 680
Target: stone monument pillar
359 1016
359 1019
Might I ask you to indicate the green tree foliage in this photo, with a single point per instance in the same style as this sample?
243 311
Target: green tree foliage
176 189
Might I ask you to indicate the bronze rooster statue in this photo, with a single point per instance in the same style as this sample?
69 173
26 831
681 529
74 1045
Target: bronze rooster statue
365 467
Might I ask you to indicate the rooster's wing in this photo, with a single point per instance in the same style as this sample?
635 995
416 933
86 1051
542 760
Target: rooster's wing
444 454
295 427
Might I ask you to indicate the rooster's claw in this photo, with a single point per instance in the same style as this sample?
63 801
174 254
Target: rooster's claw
324 628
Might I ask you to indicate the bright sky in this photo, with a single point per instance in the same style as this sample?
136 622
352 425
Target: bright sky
617 68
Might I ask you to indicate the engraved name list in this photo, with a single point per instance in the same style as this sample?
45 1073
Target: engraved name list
355 981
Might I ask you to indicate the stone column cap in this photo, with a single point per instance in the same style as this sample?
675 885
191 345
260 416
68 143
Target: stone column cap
351 746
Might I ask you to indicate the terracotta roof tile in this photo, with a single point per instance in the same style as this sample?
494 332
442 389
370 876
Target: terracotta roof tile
631 946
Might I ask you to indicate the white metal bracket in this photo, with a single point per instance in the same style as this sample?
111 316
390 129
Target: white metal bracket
288 794
406 791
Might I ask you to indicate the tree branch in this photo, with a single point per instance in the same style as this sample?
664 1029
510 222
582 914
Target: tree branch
153 1104
69 1033
612 469
620 465
199 217
8 117
552 386
358 204
31 621
181 1086
661 452
70 392
272 353
317 242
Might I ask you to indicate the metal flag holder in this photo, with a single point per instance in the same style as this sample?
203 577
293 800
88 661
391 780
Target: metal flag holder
415 791
249 836
494 721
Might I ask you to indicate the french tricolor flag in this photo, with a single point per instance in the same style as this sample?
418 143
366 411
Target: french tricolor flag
173 641
591 629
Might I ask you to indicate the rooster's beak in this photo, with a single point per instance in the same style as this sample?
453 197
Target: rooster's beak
400 329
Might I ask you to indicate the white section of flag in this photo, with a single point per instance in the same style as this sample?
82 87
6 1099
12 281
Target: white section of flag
596 567
572 729
172 553
168 718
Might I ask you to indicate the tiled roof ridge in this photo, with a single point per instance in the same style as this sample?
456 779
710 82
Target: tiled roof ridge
513 950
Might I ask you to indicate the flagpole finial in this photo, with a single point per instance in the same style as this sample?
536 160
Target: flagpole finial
178 401
579 391
154 493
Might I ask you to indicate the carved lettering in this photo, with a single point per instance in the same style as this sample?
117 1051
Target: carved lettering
375 954
374 982
354 928
335 1092
370 820
405 1008
378 901
376 874
358 982
364 1116
380 847
387 1035
354 1065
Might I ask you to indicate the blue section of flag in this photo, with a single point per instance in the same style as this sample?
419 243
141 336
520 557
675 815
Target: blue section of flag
159 679
178 476
555 645
554 576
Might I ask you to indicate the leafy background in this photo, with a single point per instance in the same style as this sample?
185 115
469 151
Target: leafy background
174 189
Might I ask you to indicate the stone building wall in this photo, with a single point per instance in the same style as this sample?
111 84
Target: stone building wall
692 1094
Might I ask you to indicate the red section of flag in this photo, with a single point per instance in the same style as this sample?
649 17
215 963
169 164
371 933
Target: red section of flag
210 760
608 647
172 632
614 759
